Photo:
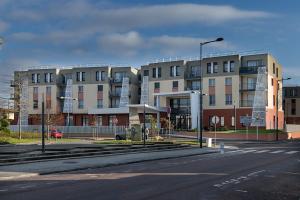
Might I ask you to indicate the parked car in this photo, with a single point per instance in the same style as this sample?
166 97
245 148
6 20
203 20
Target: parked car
56 134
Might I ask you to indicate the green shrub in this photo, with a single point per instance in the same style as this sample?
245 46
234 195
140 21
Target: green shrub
5 140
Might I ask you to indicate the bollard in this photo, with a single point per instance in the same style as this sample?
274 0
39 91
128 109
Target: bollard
209 142
222 148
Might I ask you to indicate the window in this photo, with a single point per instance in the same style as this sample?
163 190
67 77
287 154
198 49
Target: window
215 67
293 111
80 88
100 88
35 78
175 84
111 120
80 103
80 76
211 82
156 85
97 75
225 66
32 78
254 63
272 81
48 90
99 121
195 71
212 100
277 72
195 85
99 103
228 99
146 72
38 78
156 72
174 71
35 90
35 104
85 121
293 101
228 81
48 77
274 68
232 66
273 100
209 70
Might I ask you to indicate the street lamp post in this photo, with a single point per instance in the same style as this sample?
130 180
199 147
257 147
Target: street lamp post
281 80
201 88
68 113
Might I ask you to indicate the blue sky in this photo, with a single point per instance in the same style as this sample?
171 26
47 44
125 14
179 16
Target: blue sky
120 32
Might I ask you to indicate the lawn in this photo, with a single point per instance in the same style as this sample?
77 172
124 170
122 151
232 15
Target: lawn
11 140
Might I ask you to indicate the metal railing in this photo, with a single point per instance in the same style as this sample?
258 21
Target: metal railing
248 87
75 131
246 103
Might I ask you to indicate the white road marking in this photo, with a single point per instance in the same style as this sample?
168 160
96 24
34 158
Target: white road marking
3 190
292 152
293 173
244 191
279 151
262 151
249 151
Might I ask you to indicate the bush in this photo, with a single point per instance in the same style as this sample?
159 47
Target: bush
4 140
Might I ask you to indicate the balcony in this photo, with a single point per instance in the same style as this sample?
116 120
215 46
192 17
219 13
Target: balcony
115 93
246 103
248 87
193 75
118 80
249 70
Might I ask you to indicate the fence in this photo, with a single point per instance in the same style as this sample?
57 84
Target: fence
76 131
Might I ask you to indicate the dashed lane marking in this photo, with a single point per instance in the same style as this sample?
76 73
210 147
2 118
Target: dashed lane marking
292 152
262 151
279 151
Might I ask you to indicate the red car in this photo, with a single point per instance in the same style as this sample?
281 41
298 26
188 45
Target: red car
56 134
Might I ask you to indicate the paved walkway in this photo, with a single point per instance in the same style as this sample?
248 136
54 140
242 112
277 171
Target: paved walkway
55 166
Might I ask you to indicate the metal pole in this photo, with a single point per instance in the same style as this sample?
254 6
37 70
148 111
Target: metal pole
277 110
201 98
20 91
144 129
234 118
256 132
43 124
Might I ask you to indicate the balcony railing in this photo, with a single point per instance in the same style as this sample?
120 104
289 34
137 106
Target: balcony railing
193 75
119 79
249 70
248 87
246 103
115 93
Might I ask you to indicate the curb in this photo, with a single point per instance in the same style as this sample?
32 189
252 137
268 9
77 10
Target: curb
125 163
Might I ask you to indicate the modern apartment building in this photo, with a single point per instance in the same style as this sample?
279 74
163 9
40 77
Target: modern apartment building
229 85
98 95
291 103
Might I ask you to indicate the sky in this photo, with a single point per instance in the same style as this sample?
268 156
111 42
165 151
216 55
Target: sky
136 32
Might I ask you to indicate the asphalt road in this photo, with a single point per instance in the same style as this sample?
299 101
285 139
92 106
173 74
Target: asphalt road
255 171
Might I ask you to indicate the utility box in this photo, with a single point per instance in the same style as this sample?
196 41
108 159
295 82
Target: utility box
209 142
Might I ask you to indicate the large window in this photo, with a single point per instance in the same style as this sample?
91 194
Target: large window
80 76
175 84
99 103
215 67
80 103
209 69
35 78
156 85
100 88
146 72
212 100
254 63
228 99
228 81
211 82
48 77
100 75
174 71
195 85
156 72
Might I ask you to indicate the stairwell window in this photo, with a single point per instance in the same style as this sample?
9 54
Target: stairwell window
156 72
174 71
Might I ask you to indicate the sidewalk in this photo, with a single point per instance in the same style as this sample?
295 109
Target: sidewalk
55 166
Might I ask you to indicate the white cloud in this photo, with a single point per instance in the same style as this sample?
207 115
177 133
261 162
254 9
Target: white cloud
131 43
127 43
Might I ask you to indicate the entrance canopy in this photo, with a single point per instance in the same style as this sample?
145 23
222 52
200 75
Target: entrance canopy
173 94
148 108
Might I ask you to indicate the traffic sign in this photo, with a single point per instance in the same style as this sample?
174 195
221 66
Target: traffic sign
215 119
246 120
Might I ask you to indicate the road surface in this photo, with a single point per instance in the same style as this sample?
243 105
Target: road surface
255 171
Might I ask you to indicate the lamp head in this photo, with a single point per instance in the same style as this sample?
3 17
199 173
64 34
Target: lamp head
219 39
